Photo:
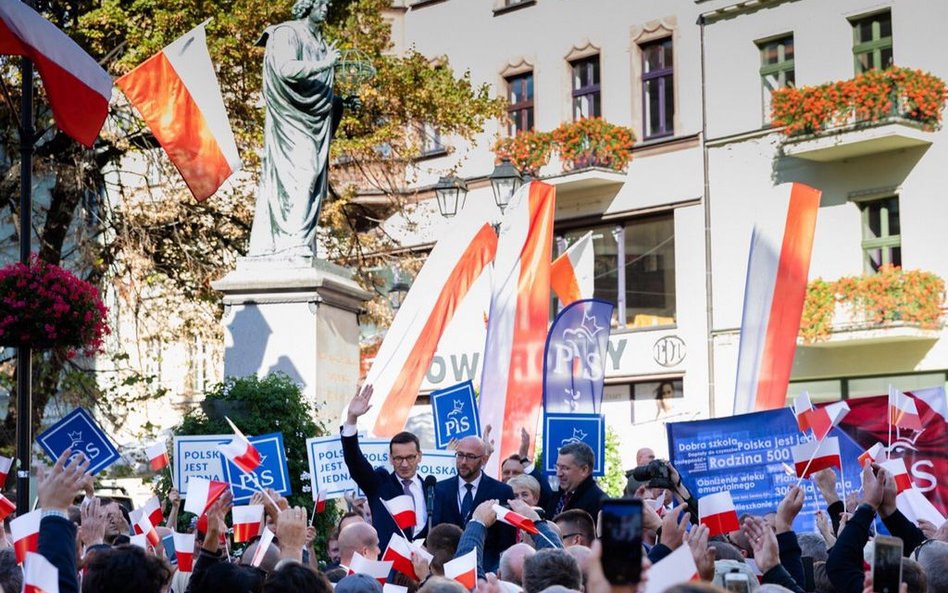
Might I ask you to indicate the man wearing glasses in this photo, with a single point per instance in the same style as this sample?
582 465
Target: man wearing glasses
457 497
378 484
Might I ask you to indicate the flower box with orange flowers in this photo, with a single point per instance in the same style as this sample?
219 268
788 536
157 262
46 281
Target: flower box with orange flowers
871 97
891 297
591 142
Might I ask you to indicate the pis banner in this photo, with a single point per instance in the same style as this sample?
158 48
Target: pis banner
455 413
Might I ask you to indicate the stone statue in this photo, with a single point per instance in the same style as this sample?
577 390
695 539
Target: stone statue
298 93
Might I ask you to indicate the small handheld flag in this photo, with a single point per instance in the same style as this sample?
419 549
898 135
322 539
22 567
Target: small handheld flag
24 530
240 451
39 575
813 456
463 570
718 513
376 569
184 550
248 520
157 456
402 510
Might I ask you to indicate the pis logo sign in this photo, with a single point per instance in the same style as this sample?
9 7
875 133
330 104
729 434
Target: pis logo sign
80 432
455 413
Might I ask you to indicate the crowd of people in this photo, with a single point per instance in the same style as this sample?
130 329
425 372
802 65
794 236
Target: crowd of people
89 542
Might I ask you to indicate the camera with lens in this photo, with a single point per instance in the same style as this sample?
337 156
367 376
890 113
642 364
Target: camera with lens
656 473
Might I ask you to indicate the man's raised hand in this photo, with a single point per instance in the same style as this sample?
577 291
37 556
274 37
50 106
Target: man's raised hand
360 404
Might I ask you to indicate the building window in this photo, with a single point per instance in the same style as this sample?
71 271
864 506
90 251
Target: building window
644 250
881 238
872 42
430 138
520 99
658 94
776 68
587 100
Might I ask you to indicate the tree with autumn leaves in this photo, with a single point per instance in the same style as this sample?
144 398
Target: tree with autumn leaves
152 245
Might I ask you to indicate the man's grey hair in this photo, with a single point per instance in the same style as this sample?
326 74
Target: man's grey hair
302 7
812 544
548 567
11 576
442 585
933 557
581 452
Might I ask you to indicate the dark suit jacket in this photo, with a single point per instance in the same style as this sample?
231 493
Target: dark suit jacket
378 484
587 497
446 510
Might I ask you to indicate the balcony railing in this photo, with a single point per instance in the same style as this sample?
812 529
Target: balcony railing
893 299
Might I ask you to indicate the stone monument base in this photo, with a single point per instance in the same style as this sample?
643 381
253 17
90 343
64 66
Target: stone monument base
296 315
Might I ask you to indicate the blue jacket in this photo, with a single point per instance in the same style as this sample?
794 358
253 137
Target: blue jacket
378 484
447 510
57 542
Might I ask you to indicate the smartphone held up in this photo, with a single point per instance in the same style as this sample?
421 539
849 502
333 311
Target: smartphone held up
620 529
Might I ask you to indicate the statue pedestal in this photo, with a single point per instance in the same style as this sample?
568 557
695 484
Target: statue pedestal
295 315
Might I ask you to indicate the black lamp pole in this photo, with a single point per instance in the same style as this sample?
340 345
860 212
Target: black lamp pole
24 367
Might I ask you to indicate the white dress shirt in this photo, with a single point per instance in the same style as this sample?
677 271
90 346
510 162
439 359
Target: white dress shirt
462 491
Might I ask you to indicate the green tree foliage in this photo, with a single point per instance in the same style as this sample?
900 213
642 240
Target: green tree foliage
614 480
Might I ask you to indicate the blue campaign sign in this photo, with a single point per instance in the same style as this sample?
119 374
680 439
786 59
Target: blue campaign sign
80 432
563 429
272 473
574 361
455 413
749 455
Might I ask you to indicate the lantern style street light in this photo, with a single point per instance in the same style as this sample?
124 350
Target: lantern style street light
451 193
505 181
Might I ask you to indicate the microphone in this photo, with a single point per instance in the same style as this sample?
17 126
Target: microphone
429 487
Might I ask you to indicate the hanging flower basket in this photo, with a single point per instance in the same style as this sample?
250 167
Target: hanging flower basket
45 306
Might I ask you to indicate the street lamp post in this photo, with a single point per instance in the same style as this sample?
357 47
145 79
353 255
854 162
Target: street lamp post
451 192
505 181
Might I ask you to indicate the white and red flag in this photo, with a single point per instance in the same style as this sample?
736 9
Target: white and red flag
775 289
718 513
5 464
822 420
463 569
184 550
398 553
265 540
248 520
813 456
896 467
902 410
320 506
872 454
7 507
157 456
78 88
377 569
140 540
39 575
24 531
402 510
572 275
915 506
451 270
240 451
802 408
509 517
519 319
152 509
143 526
177 93
202 493
678 567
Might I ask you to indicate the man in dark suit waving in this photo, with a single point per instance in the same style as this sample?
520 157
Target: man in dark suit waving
457 497
378 484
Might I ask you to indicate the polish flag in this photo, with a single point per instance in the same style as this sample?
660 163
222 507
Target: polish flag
902 410
873 453
39 575
774 292
140 539
512 379
78 88
157 456
320 503
463 570
376 569
184 550
398 553
822 420
572 274
5 464
24 530
915 506
802 408
177 93
152 508
202 493
265 540
7 507
402 510
144 526
516 519
403 359
240 451
248 520
899 472
678 567
823 453
718 513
